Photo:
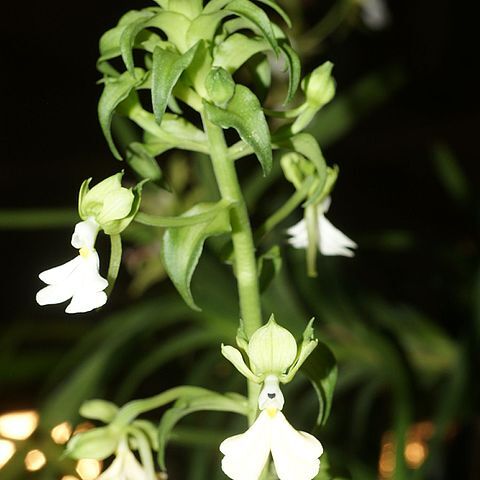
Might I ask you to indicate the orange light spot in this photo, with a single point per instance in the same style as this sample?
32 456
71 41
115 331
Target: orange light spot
35 460
18 425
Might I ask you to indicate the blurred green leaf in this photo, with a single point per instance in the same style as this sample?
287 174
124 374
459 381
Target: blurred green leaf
450 173
183 246
321 369
211 401
32 219
269 264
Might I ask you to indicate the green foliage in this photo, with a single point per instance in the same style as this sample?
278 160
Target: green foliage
182 246
244 114
204 401
321 369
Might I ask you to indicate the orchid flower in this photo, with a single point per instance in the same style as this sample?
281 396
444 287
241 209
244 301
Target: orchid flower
78 279
125 466
331 241
295 454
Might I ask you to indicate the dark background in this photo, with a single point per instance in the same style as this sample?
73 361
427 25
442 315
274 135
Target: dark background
51 141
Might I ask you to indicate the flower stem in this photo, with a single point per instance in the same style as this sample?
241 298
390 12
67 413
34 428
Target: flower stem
242 239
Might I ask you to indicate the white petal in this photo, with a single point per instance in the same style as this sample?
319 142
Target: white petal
295 454
89 276
60 273
325 205
332 241
85 234
114 471
53 294
84 301
79 280
299 235
247 454
133 470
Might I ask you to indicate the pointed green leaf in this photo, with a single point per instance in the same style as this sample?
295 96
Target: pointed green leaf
244 113
166 70
248 10
128 37
233 52
174 25
190 8
183 246
115 92
204 26
321 369
141 159
204 402
274 6
294 69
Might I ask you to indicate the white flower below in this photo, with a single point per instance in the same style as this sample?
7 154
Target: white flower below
331 241
124 467
295 454
375 14
78 279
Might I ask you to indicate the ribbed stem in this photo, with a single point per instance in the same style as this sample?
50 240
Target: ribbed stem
242 239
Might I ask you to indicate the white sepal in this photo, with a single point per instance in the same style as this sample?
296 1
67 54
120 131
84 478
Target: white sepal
85 234
124 467
331 241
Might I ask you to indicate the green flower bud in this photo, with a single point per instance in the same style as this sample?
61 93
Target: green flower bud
98 443
319 85
319 89
272 349
220 86
111 205
99 410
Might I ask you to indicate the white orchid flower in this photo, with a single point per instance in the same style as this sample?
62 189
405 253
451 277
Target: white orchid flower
295 454
124 467
78 279
331 241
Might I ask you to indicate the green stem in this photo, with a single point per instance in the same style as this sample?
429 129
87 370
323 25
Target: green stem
115 260
133 409
311 220
284 211
181 221
242 239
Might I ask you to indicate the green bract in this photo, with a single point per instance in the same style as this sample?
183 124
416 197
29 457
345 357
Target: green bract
220 86
111 205
272 350
99 410
98 443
